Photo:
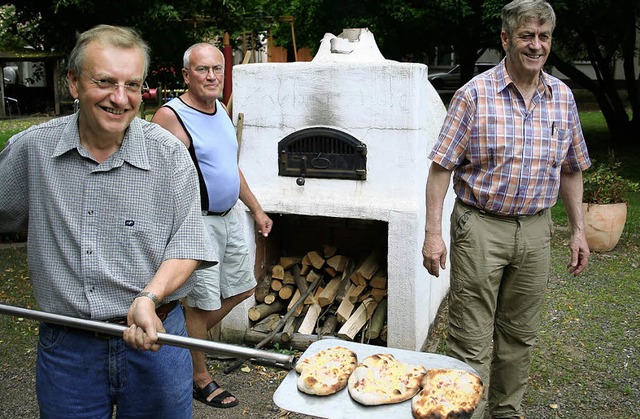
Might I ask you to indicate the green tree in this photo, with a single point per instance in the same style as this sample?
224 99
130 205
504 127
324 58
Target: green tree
168 26
603 32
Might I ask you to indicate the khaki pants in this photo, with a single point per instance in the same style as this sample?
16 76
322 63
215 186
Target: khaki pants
499 273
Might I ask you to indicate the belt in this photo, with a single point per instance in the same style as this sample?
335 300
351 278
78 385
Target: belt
497 215
219 214
162 312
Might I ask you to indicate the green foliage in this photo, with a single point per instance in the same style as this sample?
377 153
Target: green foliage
603 184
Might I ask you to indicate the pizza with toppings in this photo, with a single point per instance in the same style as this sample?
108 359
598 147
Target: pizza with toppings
447 393
381 379
327 371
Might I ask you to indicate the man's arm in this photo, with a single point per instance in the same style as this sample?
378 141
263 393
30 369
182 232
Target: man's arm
168 120
249 199
434 251
571 194
144 324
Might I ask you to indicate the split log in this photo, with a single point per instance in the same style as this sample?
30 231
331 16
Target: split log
313 299
288 261
263 288
345 308
294 300
338 262
329 250
305 265
378 320
329 326
357 279
354 292
330 271
346 283
370 265
366 294
261 311
328 295
288 329
267 324
352 326
310 319
270 298
277 272
286 292
378 294
379 280
313 275
288 278
316 260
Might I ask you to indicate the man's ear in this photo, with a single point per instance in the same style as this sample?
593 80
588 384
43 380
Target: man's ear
72 79
504 39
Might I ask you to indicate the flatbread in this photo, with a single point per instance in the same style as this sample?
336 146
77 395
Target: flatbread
381 379
327 371
447 393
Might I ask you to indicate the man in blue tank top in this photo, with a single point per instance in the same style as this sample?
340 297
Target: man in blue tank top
201 122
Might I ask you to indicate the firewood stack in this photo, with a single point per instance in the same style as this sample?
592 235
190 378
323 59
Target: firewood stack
321 294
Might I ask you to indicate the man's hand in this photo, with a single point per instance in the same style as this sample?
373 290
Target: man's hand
579 253
434 253
264 223
144 325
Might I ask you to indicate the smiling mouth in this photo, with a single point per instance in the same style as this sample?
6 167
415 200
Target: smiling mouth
534 56
114 111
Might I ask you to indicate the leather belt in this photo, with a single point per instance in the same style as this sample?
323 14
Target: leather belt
162 312
219 214
514 217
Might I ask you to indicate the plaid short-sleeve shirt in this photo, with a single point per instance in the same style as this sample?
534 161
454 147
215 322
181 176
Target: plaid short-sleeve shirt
507 159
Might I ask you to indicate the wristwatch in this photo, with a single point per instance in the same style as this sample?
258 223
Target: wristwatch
150 295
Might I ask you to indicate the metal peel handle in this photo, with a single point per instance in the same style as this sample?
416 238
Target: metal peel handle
267 358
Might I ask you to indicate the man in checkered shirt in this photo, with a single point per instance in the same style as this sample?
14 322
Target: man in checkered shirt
512 140
115 232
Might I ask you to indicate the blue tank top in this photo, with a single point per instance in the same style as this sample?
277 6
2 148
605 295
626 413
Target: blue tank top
214 151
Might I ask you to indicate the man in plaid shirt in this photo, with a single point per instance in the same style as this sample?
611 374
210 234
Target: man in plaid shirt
513 141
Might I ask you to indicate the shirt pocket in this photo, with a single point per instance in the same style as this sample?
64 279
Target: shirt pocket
558 147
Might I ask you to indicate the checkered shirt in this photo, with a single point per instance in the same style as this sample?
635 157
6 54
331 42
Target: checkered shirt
507 159
99 231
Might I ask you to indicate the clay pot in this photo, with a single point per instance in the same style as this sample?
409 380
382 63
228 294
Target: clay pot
603 225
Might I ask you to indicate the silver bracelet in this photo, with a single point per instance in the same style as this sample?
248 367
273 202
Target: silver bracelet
150 295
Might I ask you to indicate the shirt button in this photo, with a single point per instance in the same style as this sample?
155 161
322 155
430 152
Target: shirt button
90 212
89 252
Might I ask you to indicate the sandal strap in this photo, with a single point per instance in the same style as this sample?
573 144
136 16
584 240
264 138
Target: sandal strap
206 390
220 397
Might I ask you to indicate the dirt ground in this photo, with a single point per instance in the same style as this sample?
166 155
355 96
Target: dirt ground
253 385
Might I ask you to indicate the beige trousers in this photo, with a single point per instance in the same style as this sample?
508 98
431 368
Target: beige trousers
499 272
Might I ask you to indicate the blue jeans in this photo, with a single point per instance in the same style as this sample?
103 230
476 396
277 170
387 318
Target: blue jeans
80 375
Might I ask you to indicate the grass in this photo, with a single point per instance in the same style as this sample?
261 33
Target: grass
586 362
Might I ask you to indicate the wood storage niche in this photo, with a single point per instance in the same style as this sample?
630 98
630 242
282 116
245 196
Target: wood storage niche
320 276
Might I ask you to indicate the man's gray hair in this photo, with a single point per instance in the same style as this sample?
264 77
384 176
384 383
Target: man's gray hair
116 36
186 58
519 11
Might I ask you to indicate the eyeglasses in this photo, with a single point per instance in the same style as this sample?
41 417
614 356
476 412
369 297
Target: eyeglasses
129 87
203 70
